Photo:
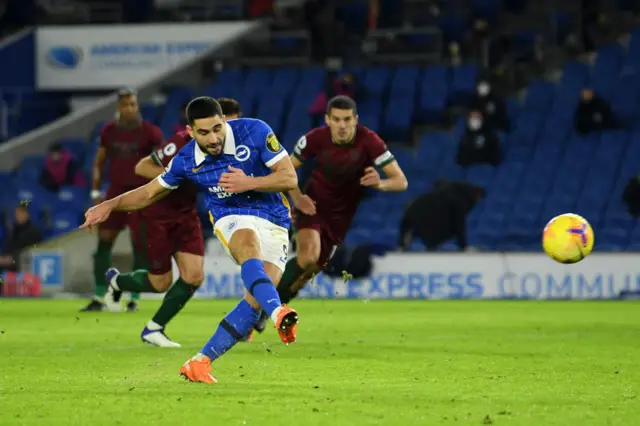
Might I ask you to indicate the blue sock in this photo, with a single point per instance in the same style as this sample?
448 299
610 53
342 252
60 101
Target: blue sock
237 324
260 286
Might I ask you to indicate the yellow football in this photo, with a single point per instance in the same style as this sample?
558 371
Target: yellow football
568 238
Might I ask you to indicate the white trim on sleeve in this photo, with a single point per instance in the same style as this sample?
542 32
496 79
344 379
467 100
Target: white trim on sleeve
277 158
165 184
384 159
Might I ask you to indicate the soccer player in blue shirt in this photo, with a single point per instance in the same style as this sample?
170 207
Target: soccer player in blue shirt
244 171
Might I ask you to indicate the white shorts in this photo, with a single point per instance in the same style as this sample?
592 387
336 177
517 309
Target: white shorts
274 239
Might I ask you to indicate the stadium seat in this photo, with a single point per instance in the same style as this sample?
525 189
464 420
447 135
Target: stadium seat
546 170
463 84
150 113
64 222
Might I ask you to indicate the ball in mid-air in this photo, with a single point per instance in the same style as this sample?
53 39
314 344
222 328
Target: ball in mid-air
568 238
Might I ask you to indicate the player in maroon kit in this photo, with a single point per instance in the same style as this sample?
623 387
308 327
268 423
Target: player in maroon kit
230 108
347 156
123 142
168 228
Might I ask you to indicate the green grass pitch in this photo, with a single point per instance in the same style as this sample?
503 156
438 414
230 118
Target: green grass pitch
355 363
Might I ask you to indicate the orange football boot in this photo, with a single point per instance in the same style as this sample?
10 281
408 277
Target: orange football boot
198 369
286 322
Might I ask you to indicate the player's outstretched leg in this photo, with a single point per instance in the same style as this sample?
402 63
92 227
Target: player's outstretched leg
231 329
140 281
135 282
175 299
138 263
292 273
244 247
101 262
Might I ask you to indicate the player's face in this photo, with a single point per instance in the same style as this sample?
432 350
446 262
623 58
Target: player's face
343 124
128 108
209 133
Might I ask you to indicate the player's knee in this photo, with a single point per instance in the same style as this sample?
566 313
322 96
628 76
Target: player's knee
244 245
308 255
107 236
194 278
161 283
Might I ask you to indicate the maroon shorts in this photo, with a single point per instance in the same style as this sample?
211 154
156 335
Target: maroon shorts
331 234
117 221
157 240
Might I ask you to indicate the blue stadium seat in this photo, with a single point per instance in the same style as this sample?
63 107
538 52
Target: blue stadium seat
453 28
606 69
399 117
481 175
30 168
624 97
405 80
539 96
376 81
547 169
73 195
172 109
615 236
486 9
150 113
312 79
463 84
370 112
64 222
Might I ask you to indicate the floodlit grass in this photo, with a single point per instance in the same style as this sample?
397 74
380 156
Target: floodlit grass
355 363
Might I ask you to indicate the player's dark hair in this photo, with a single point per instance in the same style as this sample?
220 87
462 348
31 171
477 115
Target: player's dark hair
202 107
342 102
125 93
230 106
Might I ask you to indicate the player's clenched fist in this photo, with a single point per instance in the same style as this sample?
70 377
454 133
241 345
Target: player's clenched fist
96 215
370 178
235 181
306 205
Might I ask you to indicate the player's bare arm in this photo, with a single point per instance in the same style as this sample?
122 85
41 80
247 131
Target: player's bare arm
96 175
283 178
302 202
395 180
136 199
147 168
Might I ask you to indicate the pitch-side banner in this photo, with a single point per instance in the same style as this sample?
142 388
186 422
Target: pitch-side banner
458 276
97 57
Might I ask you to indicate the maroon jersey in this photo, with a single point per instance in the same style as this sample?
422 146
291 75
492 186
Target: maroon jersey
335 181
183 199
125 147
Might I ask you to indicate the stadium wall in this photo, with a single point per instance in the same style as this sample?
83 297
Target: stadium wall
190 72
66 263
395 276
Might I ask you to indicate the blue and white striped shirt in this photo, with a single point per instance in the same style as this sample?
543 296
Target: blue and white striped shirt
250 145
